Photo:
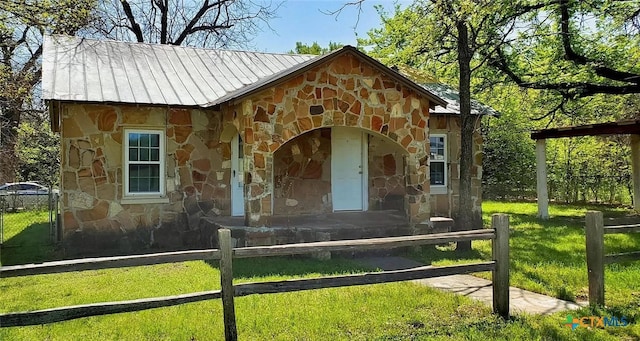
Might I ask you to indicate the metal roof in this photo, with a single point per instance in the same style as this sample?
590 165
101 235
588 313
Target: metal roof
284 75
595 129
452 97
80 69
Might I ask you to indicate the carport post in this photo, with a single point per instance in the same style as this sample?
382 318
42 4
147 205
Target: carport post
635 170
541 178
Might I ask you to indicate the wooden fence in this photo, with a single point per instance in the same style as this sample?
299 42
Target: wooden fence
596 258
499 234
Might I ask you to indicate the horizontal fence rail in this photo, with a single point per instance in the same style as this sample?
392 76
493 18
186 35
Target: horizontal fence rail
499 266
99 263
596 257
622 229
85 310
359 279
362 244
245 289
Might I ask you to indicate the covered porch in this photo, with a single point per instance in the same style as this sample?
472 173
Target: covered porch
630 127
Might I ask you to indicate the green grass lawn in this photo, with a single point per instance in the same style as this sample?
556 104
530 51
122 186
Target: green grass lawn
26 238
549 256
548 259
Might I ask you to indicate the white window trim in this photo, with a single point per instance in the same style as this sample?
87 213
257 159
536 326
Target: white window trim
127 196
440 189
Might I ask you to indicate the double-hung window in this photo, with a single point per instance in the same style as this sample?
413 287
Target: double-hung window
438 163
144 163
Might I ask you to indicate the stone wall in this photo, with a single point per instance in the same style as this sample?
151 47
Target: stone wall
94 214
302 174
446 205
287 158
386 174
345 91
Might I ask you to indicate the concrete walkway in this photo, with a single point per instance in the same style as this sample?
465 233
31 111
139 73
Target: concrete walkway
477 288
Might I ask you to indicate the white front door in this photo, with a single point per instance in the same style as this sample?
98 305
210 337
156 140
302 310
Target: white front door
237 177
348 169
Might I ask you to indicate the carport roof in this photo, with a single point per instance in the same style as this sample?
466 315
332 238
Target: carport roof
607 128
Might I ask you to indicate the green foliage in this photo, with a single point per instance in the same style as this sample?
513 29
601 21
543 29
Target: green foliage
589 169
38 150
22 24
315 48
576 48
508 164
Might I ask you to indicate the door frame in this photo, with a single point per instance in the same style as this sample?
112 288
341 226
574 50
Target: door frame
364 151
237 208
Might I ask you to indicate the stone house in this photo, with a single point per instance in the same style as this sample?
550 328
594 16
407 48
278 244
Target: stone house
158 140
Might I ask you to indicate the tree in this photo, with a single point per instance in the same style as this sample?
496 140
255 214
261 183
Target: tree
575 49
21 27
315 48
536 51
207 23
22 24
38 152
464 32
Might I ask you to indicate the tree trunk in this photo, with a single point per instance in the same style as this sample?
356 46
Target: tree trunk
9 121
464 220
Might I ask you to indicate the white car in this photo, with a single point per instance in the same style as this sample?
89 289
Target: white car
25 195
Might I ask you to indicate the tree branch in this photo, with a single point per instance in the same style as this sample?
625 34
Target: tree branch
572 55
206 6
135 27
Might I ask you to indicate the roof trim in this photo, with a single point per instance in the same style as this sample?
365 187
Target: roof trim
310 64
607 128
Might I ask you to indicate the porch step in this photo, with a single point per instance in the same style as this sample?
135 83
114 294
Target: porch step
435 225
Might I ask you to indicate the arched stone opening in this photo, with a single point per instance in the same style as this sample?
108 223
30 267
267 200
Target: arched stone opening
303 171
386 174
302 174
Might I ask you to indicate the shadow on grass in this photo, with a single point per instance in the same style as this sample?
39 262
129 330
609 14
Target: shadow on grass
429 254
291 266
31 245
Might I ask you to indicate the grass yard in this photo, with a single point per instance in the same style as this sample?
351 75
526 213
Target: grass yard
548 259
26 238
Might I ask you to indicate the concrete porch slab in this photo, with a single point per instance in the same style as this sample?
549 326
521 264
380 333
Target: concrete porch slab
311 228
327 220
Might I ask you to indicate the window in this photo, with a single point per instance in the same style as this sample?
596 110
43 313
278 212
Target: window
438 160
144 163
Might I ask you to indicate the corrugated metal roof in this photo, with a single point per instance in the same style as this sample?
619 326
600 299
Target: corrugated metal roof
79 69
452 97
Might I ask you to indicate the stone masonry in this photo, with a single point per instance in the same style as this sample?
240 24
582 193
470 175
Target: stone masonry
197 177
446 205
344 91
286 129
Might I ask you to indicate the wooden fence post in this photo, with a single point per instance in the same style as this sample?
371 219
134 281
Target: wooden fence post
226 282
500 276
595 256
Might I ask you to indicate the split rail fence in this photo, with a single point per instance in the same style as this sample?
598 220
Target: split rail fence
596 257
499 234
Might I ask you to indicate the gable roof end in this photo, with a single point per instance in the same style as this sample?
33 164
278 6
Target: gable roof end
284 75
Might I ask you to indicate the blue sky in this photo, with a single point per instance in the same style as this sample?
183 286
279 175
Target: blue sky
303 20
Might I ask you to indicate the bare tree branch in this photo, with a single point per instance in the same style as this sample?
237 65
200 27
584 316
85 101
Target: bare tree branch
135 27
